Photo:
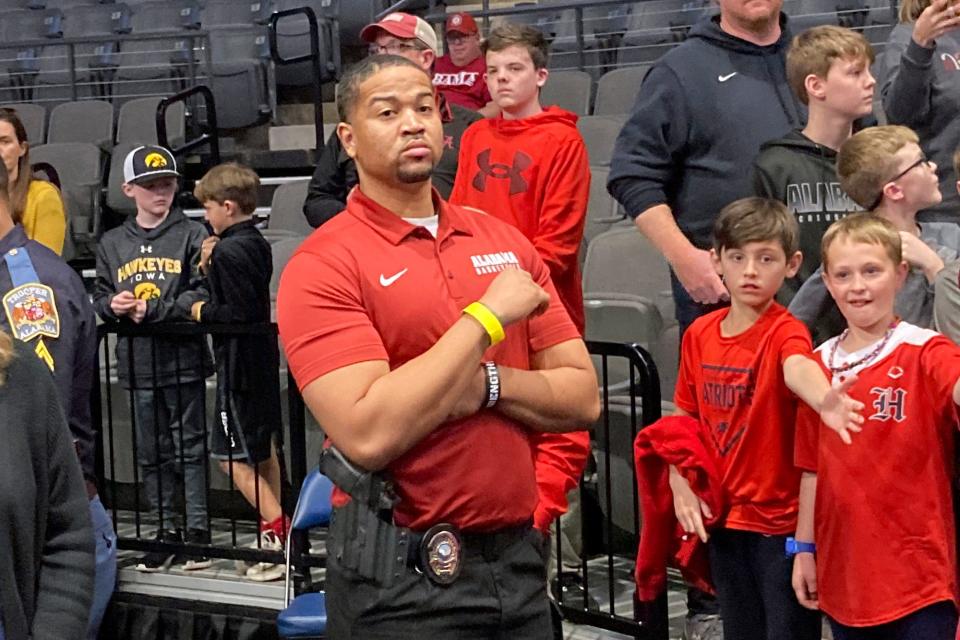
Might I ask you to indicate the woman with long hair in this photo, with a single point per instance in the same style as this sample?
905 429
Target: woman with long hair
920 85
37 204
46 541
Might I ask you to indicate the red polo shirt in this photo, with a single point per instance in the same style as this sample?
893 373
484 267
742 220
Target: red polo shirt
369 286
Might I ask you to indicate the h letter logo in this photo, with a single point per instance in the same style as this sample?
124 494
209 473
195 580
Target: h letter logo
889 404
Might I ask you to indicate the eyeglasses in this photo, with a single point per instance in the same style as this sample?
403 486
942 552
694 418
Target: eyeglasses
394 48
457 38
922 161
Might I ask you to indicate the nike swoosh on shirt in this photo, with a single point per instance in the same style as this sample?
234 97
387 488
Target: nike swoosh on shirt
726 77
386 282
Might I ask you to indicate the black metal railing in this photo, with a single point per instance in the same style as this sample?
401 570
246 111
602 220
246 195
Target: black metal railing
207 136
318 70
68 69
611 542
114 411
609 551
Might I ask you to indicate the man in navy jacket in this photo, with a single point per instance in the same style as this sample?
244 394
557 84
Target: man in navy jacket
703 111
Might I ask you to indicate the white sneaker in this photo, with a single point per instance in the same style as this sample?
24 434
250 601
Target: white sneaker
267 571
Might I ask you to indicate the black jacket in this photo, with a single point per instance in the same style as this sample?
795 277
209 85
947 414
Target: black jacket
701 115
802 174
74 352
158 265
46 541
239 273
336 172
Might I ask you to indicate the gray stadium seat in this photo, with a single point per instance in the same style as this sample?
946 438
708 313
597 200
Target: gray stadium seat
115 200
238 75
82 121
565 49
22 60
80 168
286 211
156 17
568 90
91 59
34 119
293 39
282 250
146 68
154 66
603 212
627 298
600 134
137 122
234 13
654 27
617 90
810 13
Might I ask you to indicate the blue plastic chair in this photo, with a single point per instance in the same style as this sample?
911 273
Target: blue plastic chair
306 615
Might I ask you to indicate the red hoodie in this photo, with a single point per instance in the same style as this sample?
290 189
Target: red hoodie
534 174
678 441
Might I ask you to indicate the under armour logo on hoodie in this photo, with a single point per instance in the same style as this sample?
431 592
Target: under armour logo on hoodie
501 171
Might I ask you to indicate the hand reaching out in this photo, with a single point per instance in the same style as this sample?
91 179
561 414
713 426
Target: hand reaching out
840 412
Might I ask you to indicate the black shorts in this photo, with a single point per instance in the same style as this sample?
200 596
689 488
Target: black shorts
240 429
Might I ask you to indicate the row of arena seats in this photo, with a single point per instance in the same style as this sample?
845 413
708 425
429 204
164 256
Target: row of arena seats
79 143
124 50
638 33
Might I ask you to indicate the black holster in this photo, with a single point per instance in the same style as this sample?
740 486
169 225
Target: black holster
362 537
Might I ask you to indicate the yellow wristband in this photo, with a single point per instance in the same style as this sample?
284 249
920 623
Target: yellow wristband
197 306
491 324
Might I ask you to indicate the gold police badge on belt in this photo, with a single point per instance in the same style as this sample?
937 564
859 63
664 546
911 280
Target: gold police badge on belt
441 554
32 311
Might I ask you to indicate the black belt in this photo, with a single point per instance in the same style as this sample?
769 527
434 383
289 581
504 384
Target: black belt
490 545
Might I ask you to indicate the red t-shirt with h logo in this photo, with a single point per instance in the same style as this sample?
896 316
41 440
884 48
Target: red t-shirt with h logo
884 513
734 385
370 286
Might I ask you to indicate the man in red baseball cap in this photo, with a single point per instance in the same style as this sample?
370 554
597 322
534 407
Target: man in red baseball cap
459 74
398 33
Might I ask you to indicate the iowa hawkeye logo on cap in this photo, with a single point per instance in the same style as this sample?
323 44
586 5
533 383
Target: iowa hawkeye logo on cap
155 161
148 162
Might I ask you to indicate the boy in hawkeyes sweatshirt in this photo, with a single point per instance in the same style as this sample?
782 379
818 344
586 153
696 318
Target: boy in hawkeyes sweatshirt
147 272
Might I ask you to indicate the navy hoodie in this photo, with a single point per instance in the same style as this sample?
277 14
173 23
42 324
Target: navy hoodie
701 115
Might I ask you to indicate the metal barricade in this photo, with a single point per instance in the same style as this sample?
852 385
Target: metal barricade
229 517
609 551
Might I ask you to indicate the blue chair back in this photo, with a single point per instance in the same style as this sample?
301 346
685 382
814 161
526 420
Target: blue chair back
314 506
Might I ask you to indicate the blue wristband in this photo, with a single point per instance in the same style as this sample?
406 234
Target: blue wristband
794 546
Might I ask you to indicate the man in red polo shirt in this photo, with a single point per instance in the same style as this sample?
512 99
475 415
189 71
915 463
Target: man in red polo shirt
460 74
429 342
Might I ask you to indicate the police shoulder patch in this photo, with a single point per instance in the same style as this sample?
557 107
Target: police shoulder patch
32 311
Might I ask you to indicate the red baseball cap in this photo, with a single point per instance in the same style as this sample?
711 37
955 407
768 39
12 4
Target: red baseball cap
461 23
404 26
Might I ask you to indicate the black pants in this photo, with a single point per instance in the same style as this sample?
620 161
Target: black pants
936 622
752 574
498 596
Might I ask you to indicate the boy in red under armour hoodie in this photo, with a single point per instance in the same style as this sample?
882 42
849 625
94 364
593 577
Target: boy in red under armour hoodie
529 167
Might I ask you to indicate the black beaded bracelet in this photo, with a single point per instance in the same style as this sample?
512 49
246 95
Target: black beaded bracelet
493 384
